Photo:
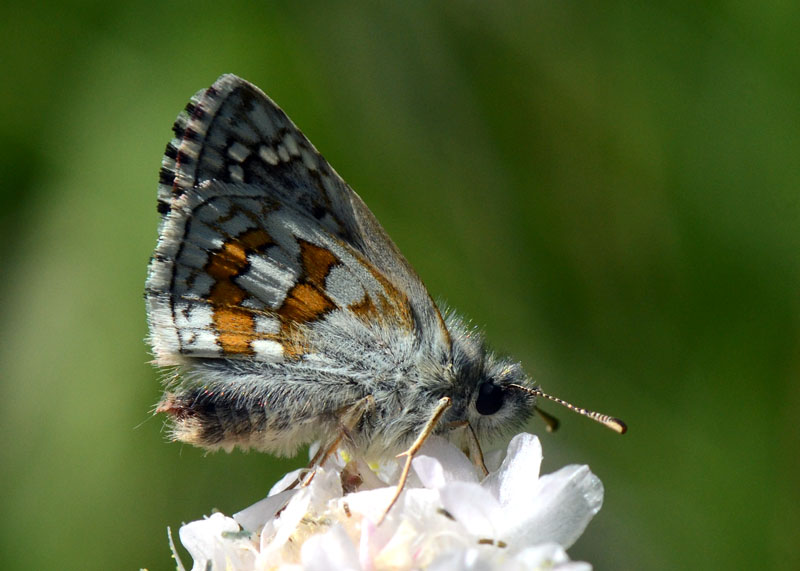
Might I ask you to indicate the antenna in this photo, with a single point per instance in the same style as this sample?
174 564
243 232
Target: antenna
614 424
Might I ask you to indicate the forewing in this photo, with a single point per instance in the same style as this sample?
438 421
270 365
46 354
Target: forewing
260 237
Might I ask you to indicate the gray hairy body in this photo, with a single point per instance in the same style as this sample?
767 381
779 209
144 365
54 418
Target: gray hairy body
278 407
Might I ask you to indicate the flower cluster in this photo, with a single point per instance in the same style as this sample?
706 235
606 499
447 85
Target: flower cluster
448 517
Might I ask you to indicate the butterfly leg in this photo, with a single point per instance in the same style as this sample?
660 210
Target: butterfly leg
348 420
318 460
444 404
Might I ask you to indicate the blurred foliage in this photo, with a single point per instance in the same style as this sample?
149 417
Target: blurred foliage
610 188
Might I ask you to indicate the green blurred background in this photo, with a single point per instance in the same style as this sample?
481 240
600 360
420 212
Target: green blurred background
610 188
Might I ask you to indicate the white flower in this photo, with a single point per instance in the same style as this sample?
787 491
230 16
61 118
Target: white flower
446 518
218 540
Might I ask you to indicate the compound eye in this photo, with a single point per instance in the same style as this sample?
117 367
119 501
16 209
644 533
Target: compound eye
490 398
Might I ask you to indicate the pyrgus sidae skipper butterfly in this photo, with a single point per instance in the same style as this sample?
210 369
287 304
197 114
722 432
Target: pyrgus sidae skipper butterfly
290 316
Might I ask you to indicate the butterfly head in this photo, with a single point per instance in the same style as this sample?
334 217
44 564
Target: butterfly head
496 395
488 397
496 407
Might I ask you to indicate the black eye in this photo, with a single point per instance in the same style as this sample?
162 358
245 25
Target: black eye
490 399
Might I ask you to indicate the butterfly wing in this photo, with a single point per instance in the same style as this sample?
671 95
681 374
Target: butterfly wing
261 238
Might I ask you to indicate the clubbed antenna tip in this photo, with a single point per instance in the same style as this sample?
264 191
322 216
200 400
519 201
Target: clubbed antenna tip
614 424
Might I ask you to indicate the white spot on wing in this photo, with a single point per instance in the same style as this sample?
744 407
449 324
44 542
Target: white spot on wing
291 145
283 153
194 324
237 173
204 342
269 155
309 159
267 349
163 334
238 152
193 316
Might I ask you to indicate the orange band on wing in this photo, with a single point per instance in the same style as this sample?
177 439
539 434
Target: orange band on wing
306 300
235 325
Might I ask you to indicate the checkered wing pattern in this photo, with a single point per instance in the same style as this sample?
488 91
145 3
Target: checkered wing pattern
261 241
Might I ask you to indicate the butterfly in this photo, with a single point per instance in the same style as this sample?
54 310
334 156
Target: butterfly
285 314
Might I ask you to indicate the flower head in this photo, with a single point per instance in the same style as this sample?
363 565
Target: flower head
448 517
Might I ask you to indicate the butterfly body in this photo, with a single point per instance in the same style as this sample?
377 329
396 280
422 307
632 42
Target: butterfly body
281 306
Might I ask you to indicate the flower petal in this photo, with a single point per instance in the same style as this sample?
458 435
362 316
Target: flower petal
567 501
286 481
455 466
330 550
214 543
517 479
472 506
430 472
254 517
